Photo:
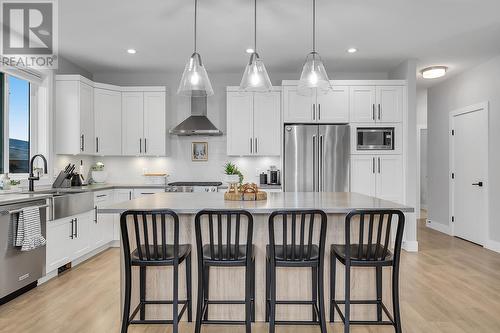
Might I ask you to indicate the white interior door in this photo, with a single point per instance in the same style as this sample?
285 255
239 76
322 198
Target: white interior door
470 167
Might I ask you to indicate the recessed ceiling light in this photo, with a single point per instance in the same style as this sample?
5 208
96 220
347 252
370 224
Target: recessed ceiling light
434 72
352 50
249 51
131 51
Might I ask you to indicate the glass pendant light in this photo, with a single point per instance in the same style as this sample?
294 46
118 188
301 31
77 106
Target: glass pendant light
195 81
313 76
255 76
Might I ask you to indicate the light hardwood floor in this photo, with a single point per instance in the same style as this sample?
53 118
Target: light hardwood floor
449 286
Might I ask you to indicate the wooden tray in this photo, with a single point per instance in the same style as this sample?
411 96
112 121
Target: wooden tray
245 196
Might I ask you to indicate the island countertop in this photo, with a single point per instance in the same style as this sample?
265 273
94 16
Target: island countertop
191 203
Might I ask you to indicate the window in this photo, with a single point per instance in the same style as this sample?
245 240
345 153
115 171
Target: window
16 129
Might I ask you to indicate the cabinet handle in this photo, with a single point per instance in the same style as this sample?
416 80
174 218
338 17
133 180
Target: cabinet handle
71 236
373 111
256 147
379 165
76 228
82 142
373 164
97 144
95 220
251 146
140 146
314 111
145 146
130 195
319 111
379 112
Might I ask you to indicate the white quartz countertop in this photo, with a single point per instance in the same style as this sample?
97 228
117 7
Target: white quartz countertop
190 203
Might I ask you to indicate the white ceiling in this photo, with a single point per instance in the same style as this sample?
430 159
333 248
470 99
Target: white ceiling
458 33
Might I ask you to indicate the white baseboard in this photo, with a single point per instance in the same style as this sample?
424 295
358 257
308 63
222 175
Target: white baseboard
114 243
492 245
438 227
410 246
47 277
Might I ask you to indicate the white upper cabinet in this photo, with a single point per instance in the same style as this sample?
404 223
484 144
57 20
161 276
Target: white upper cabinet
371 104
132 122
331 107
266 123
296 108
144 127
389 103
239 123
108 120
253 123
74 115
155 127
362 104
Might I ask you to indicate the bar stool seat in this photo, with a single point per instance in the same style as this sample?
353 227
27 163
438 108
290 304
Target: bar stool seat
241 255
339 251
157 255
279 253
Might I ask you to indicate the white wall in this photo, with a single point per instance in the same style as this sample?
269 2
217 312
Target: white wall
422 107
479 84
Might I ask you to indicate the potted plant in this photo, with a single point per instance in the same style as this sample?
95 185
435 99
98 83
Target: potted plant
233 175
98 174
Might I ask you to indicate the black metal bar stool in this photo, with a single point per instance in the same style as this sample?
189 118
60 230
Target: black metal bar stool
152 249
224 249
371 250
301 251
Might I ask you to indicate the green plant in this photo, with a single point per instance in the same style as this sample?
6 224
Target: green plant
99 166
232 169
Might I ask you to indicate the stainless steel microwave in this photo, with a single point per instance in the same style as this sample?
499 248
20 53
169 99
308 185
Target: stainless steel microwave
375 138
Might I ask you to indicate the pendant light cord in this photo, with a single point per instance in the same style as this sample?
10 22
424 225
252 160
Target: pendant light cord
255 27
195 19
314 25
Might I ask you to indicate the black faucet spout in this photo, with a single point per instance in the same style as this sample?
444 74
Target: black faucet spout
32 178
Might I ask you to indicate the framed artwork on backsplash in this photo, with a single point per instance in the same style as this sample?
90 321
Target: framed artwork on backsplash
199 151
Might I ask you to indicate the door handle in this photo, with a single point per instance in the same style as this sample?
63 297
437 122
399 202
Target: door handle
251 151
97 144
320 167
319 111
373 165
95 220
379 165
145 145
480 184
76 228
314 163
379 112
256 147
314 111
72 229
373 111
140 146
82 142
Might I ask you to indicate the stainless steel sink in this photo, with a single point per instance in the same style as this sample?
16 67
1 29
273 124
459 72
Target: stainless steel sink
68 204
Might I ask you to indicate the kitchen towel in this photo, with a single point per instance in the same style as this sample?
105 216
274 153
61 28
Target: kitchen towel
29 229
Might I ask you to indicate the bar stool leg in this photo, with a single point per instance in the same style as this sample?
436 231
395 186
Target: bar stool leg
272 302
189 292
347 310
206 285
314 292
321 291
268 281
333 285
142 291
395 298
126 303
200 302
175 302
248 298
378 280
253 290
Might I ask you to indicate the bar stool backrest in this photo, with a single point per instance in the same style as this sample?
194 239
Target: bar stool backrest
374 232
151 233
225 233
299 246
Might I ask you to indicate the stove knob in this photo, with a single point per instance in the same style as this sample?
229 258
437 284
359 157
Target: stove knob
214 189
207 189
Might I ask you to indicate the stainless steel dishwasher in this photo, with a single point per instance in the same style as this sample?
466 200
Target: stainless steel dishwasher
19 271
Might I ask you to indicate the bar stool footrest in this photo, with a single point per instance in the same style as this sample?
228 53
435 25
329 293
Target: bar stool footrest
364 322
157 321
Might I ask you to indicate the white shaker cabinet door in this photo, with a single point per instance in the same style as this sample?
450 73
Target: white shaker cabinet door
363 178
87 136
108 121
155 134
333 107
267 121
240 123
389 176
132 123
389 104
362 104
59 241
297 108
82 241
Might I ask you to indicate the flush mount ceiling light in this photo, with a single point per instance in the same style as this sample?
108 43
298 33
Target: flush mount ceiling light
195 81
131 51
313 75
255 77
434 72
352 50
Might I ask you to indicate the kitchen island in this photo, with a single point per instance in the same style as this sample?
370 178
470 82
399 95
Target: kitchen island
229 283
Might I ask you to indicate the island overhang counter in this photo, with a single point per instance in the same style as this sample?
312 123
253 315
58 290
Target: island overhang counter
292 283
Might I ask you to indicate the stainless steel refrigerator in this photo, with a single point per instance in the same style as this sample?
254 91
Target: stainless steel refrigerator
316 158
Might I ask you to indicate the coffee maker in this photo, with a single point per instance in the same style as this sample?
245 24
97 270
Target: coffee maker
273 176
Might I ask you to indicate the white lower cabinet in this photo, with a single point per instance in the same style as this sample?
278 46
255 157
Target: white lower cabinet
120 195
102 224
380 176
142 192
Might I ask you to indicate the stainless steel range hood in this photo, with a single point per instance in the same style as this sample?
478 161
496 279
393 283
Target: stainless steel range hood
197 123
